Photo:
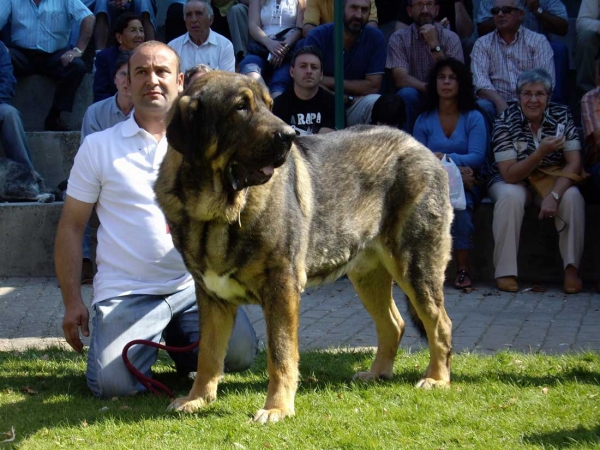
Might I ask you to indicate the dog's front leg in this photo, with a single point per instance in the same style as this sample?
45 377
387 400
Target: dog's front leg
216 325
281 317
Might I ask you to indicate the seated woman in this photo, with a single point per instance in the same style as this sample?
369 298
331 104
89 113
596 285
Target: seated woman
525 137
453 127
128 33
275 26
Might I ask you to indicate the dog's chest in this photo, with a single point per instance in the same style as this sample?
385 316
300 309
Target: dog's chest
224 286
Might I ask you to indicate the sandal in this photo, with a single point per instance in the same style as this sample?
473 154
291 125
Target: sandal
461 276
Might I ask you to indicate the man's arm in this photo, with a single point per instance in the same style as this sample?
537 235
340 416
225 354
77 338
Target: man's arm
484 19
588 17
370 85
85 32
67 259
312 17
8 82
480 67
402 79
553 21
227 57
464 23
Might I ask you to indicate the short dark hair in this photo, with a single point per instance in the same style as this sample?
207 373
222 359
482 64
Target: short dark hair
466 90
307 50
123 58
189 73
121 23
389 109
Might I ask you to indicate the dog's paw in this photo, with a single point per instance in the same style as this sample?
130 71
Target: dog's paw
430 383
45 198
372 376
187 405
263 416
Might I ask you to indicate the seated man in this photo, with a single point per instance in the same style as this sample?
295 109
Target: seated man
389 110
319 12
364 60
587 44
12 135
545 17
106 11
44 51
413 51
308 108
142 289
498 58
590 119
201 45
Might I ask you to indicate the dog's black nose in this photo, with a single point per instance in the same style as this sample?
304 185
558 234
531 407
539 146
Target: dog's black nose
285 136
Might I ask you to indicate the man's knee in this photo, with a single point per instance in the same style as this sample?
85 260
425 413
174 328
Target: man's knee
113 380
409 95
243 345
9 113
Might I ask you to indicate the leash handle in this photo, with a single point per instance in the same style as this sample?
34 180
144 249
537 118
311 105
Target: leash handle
149 383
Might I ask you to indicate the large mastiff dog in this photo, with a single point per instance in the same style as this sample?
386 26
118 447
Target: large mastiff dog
258 217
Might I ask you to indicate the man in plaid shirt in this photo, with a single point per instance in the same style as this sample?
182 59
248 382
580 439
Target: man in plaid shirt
413 51
498 58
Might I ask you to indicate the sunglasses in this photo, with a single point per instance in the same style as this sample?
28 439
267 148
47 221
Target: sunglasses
504 9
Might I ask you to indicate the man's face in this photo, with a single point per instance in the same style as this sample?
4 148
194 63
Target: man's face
356 15
197 21
307 71
423 11
154 81
121 81
508 17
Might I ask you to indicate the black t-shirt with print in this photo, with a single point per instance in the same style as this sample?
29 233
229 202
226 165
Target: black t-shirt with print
306 115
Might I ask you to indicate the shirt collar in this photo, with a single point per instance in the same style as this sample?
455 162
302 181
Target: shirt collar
131 128
211 40
517 35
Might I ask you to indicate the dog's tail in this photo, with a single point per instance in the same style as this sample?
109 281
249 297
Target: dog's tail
415 319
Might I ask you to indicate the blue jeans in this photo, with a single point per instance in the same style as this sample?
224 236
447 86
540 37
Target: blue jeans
12 135
561 71
175 318
413 101
462 226
280 78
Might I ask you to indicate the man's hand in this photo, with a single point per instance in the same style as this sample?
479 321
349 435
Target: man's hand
430 34
468 177
76 317
532 5
68 57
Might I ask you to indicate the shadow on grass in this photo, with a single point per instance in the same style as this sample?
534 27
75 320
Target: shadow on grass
565 438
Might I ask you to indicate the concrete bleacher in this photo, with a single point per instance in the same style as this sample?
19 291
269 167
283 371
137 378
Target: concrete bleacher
27 229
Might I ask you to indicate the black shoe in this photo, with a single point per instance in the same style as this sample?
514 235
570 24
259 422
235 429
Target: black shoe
55 124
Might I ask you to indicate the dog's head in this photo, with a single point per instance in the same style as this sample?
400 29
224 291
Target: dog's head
223 122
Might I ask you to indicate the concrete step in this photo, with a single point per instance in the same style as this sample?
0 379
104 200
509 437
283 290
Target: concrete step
34 97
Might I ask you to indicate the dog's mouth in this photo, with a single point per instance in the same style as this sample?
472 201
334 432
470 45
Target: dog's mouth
241 175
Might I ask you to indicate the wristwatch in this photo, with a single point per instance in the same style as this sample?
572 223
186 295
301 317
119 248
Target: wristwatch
555 195
436 49
539 10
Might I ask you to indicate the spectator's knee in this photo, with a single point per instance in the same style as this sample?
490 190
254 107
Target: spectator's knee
112 382
573 196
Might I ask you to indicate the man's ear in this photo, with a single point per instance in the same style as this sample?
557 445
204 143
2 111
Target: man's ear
180 79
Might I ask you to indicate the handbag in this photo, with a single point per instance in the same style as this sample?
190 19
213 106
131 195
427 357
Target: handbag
457 189
542 179
258 49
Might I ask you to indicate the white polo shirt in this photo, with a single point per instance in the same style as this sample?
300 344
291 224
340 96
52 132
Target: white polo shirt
116 169
216 52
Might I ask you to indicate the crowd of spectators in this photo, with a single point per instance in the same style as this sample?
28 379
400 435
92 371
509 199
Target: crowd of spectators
486 88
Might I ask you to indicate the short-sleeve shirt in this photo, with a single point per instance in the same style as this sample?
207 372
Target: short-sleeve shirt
318 12
408 50
45 27
554 7
512 137
366 57
216 52
306 115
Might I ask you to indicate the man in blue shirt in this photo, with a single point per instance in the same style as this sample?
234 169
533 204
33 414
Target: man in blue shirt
364 59
40 32
12 134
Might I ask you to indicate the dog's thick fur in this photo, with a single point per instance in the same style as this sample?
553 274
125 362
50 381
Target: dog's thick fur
257 218
19 183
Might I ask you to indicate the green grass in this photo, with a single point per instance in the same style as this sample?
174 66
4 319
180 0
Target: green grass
505 401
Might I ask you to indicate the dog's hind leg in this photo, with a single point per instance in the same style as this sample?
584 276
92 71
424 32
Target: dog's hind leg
216 325
374 287
281 316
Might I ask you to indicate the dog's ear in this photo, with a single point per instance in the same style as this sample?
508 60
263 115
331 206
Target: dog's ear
179 129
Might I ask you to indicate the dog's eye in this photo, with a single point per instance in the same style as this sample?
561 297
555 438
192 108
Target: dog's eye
242 106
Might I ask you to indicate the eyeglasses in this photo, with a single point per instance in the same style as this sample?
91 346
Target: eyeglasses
504 9
419 5
529 95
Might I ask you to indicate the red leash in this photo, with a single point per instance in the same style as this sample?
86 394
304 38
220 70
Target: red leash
150 383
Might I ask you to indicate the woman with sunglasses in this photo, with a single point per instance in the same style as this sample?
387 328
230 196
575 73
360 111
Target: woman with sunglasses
453 128
534 133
